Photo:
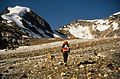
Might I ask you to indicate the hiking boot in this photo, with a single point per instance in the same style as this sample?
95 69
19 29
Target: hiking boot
65 64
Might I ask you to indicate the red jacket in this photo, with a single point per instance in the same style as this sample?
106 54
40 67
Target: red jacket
65 48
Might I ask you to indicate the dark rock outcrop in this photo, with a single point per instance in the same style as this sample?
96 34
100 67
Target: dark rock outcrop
10 36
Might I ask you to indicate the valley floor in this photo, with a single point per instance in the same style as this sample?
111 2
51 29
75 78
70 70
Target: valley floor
88 59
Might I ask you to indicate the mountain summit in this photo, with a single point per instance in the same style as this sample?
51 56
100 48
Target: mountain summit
18 24
27 21
91 29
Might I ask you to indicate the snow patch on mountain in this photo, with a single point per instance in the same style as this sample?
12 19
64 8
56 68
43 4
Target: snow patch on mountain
18 10
13 18
102 27
115 26
81 32
56 36
15 14
118 13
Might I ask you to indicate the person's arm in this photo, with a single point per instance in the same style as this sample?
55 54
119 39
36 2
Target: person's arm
61 50
63 45
68 47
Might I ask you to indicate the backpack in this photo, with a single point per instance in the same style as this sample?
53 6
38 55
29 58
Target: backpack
65 49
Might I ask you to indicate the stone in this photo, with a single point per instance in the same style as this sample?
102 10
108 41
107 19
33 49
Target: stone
105 75
81 66
100 75
1 76
119 68
24 76
11 67
6 71
56 67
62 74
35 66
73 78
110 66
89 74
49 77
76 69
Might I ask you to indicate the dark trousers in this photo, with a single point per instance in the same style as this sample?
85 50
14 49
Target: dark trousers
65 56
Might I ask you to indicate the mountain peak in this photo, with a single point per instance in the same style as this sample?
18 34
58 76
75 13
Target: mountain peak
118 13
27 21
17 10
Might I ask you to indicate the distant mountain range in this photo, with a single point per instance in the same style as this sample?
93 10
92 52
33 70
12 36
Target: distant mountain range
20 22
91 29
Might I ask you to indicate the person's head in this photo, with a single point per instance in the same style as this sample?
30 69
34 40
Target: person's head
65 42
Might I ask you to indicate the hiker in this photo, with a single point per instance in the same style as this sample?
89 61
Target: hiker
65 50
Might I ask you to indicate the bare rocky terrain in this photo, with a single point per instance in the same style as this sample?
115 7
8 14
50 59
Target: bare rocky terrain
88 59
32 50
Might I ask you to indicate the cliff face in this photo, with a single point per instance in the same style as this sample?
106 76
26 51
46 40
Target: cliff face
91 29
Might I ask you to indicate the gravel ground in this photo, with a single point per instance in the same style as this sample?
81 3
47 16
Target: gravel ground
88 59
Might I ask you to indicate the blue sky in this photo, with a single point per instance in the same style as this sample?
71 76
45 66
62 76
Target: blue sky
60 12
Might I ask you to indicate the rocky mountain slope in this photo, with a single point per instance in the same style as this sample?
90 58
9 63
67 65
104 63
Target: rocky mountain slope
91 29
98 58
88 59
27 21
19 23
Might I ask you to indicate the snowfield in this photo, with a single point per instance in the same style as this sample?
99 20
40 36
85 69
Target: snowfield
47 45
81 32
42 46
